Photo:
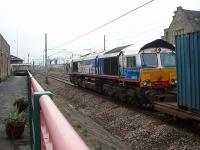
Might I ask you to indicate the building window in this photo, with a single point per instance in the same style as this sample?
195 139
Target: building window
179 32
131 62
166 36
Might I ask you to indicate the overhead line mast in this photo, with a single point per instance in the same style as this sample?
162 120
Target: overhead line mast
46 75
104 42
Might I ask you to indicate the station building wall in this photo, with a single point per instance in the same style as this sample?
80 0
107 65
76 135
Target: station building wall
4 58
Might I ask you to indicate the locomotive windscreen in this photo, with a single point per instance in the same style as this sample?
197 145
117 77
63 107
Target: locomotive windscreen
111 66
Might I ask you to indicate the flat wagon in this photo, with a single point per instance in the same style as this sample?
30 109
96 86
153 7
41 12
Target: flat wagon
187 105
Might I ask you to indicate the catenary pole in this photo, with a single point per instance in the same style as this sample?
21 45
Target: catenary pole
104 42
28 57
46 74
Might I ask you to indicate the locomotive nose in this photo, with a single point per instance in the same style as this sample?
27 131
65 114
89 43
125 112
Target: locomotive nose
158 78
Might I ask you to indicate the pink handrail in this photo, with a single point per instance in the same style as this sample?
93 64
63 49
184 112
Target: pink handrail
35 86
56 131
63 136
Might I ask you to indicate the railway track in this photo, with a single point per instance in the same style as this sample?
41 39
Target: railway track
161 113
64 80
150 127
61 79
144 110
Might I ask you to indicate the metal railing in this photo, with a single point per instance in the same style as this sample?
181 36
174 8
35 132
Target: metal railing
49 128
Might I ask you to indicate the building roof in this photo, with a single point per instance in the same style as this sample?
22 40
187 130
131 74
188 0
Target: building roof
158 43
2 38
192 16
117 49
12 57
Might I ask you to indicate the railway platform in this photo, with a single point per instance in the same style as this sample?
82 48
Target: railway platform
14 87
46 128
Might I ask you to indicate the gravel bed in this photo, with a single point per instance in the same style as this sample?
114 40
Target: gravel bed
138 130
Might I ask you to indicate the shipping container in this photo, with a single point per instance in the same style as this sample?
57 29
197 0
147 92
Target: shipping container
188 71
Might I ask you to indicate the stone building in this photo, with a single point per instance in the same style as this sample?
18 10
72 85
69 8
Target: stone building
15 60
4 58
184 21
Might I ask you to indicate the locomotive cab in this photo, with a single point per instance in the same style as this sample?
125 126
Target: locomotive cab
153 67
158 65
158 68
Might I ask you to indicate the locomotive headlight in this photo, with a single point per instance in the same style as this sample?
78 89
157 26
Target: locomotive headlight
173 81
145 82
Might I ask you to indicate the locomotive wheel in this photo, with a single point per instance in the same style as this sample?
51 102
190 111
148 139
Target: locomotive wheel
99 88
142 98
131 96
111 92
83 84
105 89
122 97
117 93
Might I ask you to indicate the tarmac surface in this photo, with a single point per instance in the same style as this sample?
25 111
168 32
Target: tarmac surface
11 89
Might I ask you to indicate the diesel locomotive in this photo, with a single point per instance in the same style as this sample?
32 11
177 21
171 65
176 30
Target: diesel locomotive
128 76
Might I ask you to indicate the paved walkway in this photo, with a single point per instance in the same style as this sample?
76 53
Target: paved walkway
11 89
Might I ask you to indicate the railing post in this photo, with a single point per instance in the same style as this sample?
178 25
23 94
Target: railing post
30 109
36 118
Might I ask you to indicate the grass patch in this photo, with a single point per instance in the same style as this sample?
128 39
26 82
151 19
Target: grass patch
78 126
85 132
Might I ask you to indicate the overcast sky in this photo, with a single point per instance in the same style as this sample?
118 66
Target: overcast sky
24 22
